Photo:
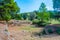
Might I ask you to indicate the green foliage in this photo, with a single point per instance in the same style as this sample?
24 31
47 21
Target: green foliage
18 17
7 8
24 16
4 14
39 23
35 21
50 31
58 30
56 4
51 14
42 8
57 15
42 23
44 33
43 16
43 13
32 16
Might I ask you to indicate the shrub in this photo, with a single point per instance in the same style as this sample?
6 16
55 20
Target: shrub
58 30
49 31
40 23
36 21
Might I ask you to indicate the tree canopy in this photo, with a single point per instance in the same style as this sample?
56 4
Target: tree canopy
43 14
7 8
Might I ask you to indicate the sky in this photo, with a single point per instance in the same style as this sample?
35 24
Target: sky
31 5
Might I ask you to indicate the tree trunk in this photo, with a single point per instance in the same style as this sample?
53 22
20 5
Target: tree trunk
6 31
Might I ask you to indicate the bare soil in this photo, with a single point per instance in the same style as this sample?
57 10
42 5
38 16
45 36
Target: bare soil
25 34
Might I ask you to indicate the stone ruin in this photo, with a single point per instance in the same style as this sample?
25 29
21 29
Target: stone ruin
19 22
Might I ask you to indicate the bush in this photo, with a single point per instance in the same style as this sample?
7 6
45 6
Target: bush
58 30
50 31
42 23
39 23
36 21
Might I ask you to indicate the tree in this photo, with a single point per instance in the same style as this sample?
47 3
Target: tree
18 17
57 15
7 8
32 16
56 6
43 13
36 16
24 15
42 8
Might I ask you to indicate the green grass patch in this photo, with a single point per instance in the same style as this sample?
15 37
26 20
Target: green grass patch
29 28
55 22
